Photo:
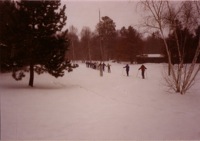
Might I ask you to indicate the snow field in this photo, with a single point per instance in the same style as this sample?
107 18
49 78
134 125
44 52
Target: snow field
84 106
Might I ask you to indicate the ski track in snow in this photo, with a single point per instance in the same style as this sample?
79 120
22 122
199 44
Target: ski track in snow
106 97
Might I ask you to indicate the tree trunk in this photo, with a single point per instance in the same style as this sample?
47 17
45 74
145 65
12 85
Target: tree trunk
31 75
169 69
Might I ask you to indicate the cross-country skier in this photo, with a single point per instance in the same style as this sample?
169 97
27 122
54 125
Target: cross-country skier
101 69
103 65
142 68
108 65
127 69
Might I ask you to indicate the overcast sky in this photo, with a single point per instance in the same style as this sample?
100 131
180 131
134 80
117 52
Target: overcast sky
86 12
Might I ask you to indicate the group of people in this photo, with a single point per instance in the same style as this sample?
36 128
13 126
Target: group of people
101 66
142 68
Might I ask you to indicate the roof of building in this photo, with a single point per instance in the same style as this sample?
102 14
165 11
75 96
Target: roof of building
151 55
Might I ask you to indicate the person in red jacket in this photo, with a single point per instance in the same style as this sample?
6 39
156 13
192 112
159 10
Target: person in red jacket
142 68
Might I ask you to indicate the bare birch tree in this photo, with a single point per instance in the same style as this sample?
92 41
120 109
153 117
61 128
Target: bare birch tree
72 33
163 16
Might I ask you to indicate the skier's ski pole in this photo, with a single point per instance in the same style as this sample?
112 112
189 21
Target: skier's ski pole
137 73
146 74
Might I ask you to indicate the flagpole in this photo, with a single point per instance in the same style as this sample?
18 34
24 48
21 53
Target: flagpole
100 44
99 15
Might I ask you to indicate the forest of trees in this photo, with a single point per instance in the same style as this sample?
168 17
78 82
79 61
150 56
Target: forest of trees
118 45
124 44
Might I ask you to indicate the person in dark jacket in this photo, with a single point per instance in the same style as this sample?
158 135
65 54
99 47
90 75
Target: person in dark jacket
109 71
103 65
101 69
127 69
142 68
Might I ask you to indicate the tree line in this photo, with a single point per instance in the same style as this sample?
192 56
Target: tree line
109 43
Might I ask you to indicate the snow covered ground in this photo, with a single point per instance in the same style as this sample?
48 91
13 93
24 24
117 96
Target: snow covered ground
84 106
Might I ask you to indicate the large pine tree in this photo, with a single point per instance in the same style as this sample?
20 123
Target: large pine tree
107 32
38 44
8 32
